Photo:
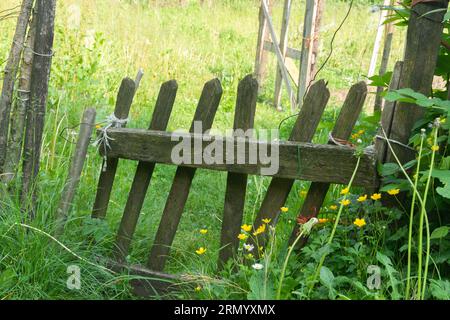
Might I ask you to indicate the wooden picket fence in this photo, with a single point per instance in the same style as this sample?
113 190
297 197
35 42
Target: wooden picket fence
299 159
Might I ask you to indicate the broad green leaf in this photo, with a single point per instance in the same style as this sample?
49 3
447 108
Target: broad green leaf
439 233
388 169
327 277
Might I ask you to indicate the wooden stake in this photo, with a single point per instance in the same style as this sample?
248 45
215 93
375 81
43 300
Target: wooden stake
378 38
283 48
305 64
76 167
384 61
10 76
20 108
261 54
43 52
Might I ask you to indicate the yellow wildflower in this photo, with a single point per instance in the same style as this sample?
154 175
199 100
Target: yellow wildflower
361 132
198 289
284 209
323 220
345 202
98 127
261 229
200 251
345 191
246 227
266 221
393 192
249 256
242 236
362 198
359 223
435 148
333 207
355 136
203 231
376 196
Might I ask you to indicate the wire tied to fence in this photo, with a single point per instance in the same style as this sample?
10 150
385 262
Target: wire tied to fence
395 142
51 54
103 139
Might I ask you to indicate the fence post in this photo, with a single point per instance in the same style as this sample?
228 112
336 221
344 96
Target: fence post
283 47
421 52
261 54
305 63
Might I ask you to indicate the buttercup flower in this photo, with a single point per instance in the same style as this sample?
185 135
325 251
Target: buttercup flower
362 198
261 229
200 251
242 236
345 202
359 223
246 227
376 196
323 220
284 209
355 136
393 192
203 231
361 132
266 221
333 207
198 289
435 148
345 191
249 256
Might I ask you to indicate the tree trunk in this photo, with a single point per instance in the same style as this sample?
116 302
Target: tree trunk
10 76
43 45
21 106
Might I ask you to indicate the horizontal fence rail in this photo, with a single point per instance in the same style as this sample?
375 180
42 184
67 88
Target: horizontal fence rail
302 161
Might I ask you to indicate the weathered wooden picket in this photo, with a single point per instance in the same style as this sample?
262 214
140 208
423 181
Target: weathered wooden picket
298 159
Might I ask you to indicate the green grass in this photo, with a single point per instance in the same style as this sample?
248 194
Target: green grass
192 45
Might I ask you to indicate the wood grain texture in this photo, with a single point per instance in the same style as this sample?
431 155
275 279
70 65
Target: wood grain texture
40 76
303 131
237 183
106 180
343 127
144 172
205 112
423 41
261 54
10 72
75 170
388 114
283 48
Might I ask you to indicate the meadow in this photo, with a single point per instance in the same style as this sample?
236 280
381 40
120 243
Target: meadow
191 44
